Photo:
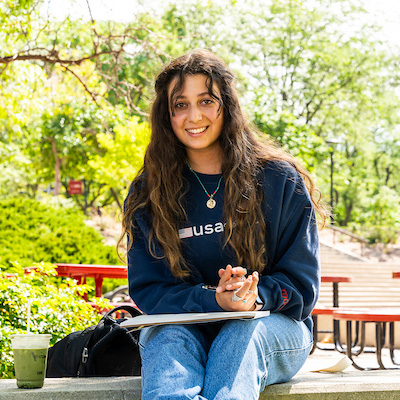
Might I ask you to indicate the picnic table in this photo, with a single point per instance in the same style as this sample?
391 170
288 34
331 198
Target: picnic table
335 280
378 316
81 271
335 283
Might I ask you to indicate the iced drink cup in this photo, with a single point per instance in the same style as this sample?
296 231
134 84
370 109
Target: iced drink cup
30 358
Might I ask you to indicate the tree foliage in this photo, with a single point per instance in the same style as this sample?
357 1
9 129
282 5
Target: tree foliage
116 51
307 72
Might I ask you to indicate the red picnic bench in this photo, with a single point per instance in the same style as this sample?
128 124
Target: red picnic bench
378 316
81 271
335 280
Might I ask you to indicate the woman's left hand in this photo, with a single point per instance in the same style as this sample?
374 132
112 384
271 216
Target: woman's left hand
236 295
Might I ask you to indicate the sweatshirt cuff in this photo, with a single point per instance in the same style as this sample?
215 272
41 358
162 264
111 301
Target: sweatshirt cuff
210 302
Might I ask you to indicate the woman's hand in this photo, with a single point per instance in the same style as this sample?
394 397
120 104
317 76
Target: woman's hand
236 275
234 282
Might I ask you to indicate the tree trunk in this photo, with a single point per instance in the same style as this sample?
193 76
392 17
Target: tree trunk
116 198
348 205
57 168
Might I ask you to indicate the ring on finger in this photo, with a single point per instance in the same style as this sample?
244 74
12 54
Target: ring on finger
250 291
235 297
242 278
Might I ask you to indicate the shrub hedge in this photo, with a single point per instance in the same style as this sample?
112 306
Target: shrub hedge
31 231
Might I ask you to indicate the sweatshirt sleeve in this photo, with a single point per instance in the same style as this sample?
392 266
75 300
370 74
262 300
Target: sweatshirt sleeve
156 291
291 283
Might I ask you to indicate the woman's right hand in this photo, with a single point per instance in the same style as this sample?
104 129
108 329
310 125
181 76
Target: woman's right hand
233 281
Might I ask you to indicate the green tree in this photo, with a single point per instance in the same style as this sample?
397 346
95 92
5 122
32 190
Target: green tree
122 157
308 72
64 82
123 54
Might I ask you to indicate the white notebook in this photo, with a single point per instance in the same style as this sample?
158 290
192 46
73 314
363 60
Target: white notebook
142 321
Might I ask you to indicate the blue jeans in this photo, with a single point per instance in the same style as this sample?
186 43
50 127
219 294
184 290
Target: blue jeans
234 363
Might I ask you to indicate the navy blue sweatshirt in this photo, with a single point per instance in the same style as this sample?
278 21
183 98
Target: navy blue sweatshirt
290 283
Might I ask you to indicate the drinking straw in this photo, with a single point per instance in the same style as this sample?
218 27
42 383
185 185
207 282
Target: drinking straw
29 317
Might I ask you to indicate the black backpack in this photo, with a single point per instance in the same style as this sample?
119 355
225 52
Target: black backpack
105 349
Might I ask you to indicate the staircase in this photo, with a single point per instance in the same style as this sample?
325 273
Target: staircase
331 254
372 283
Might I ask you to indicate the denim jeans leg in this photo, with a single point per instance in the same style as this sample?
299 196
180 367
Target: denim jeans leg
173 362
248 355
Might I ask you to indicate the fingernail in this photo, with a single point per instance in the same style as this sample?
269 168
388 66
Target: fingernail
250 278
256 274
229 287
219 289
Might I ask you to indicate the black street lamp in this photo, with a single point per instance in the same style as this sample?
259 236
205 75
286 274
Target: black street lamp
332 143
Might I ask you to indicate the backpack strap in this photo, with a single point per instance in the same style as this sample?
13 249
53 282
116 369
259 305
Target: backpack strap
131 310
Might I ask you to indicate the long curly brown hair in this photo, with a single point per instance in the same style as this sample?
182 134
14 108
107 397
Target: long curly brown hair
159 187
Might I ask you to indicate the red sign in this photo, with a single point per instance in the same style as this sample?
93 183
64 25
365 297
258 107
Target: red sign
75 187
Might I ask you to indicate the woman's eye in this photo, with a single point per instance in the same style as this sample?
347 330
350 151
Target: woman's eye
208 101
180 105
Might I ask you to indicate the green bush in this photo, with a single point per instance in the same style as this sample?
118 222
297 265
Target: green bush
31 231
55 309
380 234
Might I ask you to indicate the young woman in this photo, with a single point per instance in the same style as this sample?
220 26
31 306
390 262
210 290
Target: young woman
218 221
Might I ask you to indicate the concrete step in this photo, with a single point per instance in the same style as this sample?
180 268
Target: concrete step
353 288
372 284
329 252
374 304
347 385
355 269
395 296
365 293
366 281
352 303
353 264
336 254
326 298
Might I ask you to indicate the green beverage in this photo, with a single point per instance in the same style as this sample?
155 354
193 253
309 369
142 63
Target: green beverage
30 357
30 367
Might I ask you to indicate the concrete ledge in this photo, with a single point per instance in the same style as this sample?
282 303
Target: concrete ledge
113 388
353 385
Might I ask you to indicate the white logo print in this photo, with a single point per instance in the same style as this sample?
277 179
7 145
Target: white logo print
201 230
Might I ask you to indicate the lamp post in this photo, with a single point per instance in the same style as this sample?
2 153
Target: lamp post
332 143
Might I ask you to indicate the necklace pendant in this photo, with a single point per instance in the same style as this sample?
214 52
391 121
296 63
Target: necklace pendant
211 203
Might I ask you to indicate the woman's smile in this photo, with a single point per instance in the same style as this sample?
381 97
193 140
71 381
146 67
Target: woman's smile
196 131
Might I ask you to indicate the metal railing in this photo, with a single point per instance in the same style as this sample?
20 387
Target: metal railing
359 239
